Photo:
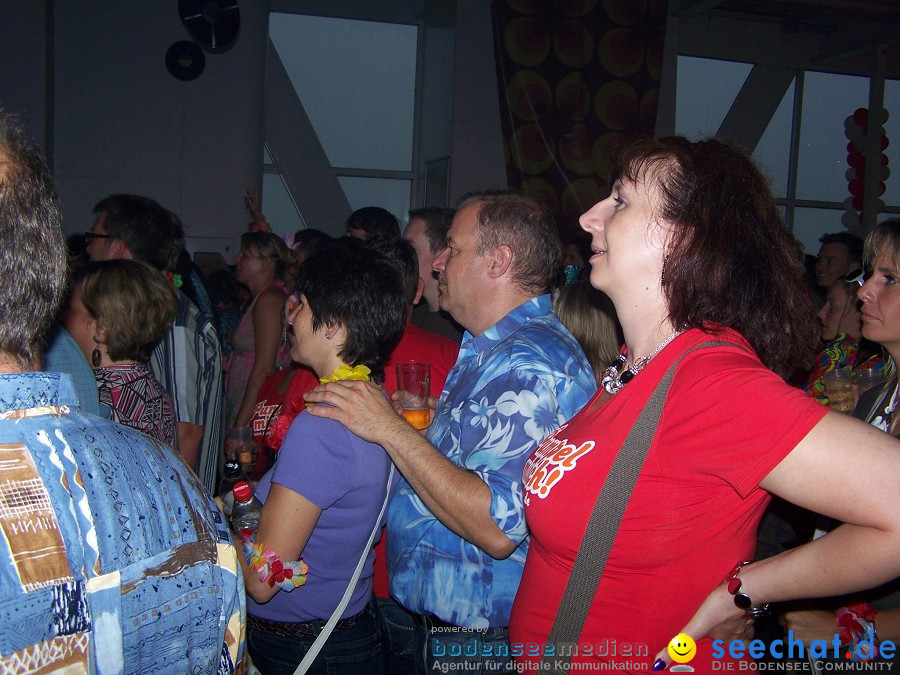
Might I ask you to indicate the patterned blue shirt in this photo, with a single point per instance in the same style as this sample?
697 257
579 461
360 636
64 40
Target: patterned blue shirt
112 556
511 386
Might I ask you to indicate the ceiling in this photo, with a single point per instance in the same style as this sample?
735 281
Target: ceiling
834 35
811 13
844 36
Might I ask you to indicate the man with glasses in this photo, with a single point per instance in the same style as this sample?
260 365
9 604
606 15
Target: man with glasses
188 361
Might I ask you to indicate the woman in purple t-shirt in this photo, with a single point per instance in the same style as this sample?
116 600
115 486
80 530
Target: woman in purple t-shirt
323 495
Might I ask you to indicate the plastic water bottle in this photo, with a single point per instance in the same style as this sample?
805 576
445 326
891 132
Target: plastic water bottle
231 477
246 510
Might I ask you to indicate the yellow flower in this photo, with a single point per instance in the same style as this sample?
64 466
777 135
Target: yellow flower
345 372
257 559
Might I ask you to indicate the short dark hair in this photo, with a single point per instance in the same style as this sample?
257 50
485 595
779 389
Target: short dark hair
732 262
345 284
850 241
526 226
403 255
132 301
437 224
149 230
33 255
374 221
310 240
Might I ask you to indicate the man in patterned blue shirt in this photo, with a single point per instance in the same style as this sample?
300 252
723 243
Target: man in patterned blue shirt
113 558
457 534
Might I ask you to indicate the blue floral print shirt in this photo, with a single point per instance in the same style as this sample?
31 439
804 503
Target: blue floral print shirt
511 386
113 558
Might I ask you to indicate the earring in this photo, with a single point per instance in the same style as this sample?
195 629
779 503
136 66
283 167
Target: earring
327 336
662 277
96 357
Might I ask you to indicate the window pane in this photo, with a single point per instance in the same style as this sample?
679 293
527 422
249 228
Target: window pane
356 80
390 194
705 91
892 128
810 224
773 151
822 164
278 206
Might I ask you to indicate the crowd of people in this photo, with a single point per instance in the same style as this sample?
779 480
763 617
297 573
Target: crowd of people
609 421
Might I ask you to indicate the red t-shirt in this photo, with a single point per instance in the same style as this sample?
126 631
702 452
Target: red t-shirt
415 345
269 404
727 422
422 345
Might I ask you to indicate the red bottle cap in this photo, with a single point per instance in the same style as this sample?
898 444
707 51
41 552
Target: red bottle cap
242 491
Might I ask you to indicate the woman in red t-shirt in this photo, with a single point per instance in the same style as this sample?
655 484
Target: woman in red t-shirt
279 401
690 248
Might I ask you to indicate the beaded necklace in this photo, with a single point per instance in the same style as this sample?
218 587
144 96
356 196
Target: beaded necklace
612 382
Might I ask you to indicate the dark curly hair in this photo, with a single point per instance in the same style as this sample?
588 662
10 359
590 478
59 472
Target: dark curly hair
731 261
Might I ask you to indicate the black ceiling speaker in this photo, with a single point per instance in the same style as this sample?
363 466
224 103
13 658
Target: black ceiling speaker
214 24
185 60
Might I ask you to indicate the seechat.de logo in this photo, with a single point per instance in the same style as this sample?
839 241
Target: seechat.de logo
682 649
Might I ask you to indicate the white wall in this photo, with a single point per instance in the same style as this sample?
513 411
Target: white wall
477 160
23 63
121 123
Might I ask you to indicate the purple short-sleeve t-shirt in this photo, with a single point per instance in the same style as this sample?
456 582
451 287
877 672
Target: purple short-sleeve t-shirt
346 477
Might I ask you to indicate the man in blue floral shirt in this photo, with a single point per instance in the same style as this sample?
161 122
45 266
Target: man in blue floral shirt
457 533
113 559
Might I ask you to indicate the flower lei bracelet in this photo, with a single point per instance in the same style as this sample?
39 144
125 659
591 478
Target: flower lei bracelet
287 576
856 627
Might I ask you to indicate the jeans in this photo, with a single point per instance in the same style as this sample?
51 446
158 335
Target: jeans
483 651
355 650
398 638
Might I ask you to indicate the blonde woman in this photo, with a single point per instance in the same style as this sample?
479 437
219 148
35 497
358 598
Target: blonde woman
591 319
880 407
257 339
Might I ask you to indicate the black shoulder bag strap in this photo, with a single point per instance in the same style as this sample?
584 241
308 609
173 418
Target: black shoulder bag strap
604 524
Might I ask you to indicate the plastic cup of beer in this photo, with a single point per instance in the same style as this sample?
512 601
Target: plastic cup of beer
866 378
839 389
414 387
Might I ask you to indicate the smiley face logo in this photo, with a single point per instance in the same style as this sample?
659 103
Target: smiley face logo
682 648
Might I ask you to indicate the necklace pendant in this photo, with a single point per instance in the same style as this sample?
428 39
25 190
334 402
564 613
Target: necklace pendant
613 382
612 386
